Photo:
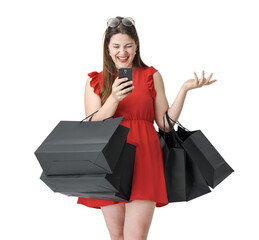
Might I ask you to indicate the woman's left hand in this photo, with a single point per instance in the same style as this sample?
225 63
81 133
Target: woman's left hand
198 83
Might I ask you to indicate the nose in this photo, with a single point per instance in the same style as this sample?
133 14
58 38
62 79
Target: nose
122 51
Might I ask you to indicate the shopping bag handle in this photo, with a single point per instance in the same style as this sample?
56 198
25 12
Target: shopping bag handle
174 134
92 117
89 116
176 143
177 122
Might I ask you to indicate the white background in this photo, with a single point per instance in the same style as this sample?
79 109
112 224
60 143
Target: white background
47 48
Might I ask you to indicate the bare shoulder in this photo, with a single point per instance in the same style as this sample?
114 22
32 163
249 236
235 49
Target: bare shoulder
160 104
92 101
158 82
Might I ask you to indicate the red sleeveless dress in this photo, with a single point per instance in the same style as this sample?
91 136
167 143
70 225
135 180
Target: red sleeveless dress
148 181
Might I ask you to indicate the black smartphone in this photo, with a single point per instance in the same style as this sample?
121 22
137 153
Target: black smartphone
126 72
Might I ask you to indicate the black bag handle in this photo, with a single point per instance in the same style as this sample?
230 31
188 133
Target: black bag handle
92 117
177 122
175 136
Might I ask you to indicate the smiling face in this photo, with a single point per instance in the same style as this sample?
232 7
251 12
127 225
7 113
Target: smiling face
122 50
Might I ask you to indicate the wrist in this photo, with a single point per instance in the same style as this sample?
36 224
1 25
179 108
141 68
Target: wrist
113 100
184 88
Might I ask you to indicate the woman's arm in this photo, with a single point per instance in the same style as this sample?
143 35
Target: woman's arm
175 110
161 103
93 103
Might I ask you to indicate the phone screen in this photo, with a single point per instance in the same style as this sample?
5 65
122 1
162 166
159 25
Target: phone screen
126 72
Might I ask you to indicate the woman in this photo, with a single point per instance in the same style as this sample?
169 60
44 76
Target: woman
147 102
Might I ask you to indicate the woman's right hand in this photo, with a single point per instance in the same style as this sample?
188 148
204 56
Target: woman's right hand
117 93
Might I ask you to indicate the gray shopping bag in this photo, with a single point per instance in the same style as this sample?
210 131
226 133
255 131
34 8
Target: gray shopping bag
115 186
75 147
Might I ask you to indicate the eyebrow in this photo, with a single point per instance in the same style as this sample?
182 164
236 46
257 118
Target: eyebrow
119 44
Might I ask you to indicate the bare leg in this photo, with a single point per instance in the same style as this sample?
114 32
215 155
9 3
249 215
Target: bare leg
114 216
138 218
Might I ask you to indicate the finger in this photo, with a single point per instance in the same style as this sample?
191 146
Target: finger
200 83
209 83
208 79
202 76
203 80
121 93
120 81
196 78
123 79
200 80
117 80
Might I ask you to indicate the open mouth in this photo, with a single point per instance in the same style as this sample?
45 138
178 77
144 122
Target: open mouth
123 59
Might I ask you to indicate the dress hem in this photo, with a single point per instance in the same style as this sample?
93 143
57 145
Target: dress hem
158 204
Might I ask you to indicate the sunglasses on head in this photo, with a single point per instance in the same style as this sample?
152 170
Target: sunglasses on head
114 22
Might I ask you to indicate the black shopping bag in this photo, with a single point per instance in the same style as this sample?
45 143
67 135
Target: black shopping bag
184 181
77 147
115 186
211 164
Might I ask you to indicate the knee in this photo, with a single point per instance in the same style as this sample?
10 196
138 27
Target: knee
117 236
135 236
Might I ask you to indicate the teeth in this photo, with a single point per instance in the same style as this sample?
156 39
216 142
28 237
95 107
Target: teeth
123 58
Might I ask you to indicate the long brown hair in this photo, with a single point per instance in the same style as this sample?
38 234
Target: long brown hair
109 68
